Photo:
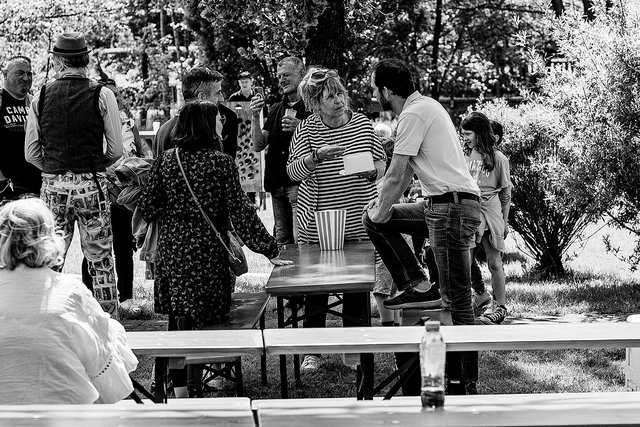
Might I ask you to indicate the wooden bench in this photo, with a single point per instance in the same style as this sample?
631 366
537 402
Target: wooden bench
175 347
247 312
554 409
229 412
369 340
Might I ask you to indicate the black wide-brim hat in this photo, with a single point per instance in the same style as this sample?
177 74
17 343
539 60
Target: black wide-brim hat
70 44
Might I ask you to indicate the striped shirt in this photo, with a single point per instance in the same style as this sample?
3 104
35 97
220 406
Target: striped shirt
325 188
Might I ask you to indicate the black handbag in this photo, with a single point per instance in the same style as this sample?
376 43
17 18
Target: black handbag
237 258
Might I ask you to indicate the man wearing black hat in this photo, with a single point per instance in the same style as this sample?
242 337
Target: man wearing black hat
246 88
67 123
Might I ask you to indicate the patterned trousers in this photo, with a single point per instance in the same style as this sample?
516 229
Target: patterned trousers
76 198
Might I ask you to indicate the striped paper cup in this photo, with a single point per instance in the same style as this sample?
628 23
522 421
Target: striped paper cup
331 225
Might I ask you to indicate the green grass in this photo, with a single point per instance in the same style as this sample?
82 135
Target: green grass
599 288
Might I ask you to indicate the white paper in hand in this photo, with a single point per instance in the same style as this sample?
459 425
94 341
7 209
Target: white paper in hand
357 162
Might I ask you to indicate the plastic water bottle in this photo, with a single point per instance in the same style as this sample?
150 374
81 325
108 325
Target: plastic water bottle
432 360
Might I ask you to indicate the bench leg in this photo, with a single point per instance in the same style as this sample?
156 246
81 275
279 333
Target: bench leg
160 392
366 362
296 358
263 357
283 358
239 380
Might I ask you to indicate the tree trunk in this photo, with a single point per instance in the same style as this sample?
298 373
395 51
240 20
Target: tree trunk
435 53
558 7
327 40
589 14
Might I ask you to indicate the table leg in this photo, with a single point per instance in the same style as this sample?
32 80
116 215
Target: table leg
296 357
283 358
160 392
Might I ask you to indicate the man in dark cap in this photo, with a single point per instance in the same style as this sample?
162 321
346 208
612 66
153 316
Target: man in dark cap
68 121
246 88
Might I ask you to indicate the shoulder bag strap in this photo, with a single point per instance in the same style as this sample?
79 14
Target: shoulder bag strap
204 214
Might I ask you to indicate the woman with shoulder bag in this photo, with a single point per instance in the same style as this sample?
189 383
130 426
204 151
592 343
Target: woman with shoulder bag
190 188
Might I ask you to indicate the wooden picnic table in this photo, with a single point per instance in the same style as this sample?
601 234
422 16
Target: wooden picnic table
554 409
350 270
224 412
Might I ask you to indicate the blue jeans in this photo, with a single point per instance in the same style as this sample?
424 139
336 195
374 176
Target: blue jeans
450 228
284 201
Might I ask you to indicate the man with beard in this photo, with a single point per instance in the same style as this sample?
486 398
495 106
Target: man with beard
277 132
428 146
17 176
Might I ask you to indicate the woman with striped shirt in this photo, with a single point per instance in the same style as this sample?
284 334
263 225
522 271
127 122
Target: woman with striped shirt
315 159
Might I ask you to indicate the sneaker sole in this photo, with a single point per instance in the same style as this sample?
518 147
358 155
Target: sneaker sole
436 303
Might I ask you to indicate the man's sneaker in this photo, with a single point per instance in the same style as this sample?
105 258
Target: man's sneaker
480 301
493 316
414 299
310 363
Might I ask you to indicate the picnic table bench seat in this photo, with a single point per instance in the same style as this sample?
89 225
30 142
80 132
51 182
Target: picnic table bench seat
403 339
551 409
223 412
224 343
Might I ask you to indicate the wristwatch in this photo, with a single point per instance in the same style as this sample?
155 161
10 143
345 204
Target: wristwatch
314 157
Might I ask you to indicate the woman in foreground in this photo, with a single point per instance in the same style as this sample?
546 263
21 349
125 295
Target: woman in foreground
57 345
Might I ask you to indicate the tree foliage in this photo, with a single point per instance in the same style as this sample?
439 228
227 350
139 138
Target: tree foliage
29 27
598 97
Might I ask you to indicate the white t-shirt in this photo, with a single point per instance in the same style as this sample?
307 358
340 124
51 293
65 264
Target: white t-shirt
56 343
426 133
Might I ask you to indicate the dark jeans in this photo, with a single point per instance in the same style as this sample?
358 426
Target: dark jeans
353 306
284 200
476 274
123 249
450 228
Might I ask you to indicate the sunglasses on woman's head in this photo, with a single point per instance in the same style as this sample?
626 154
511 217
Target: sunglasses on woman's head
320 76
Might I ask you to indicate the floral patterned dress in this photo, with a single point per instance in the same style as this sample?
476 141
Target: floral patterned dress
193 277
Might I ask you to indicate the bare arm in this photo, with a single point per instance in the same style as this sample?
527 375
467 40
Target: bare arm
259 137
32 147
112 126
396 180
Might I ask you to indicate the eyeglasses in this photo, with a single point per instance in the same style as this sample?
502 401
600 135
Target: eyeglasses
319 76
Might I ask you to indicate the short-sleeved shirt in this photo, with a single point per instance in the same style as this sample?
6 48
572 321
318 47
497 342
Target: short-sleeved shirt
426 133
490 182
13 116
275 174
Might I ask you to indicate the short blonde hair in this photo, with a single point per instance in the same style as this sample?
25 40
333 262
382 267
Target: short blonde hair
311 90
28 236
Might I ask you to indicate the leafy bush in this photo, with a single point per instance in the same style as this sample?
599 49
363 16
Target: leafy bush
598 97
533 142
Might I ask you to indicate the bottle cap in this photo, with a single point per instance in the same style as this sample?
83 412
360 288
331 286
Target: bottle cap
432 326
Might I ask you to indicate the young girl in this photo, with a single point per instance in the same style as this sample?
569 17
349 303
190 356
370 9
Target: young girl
490 168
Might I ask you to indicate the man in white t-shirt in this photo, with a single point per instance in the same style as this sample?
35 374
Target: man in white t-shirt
428 146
